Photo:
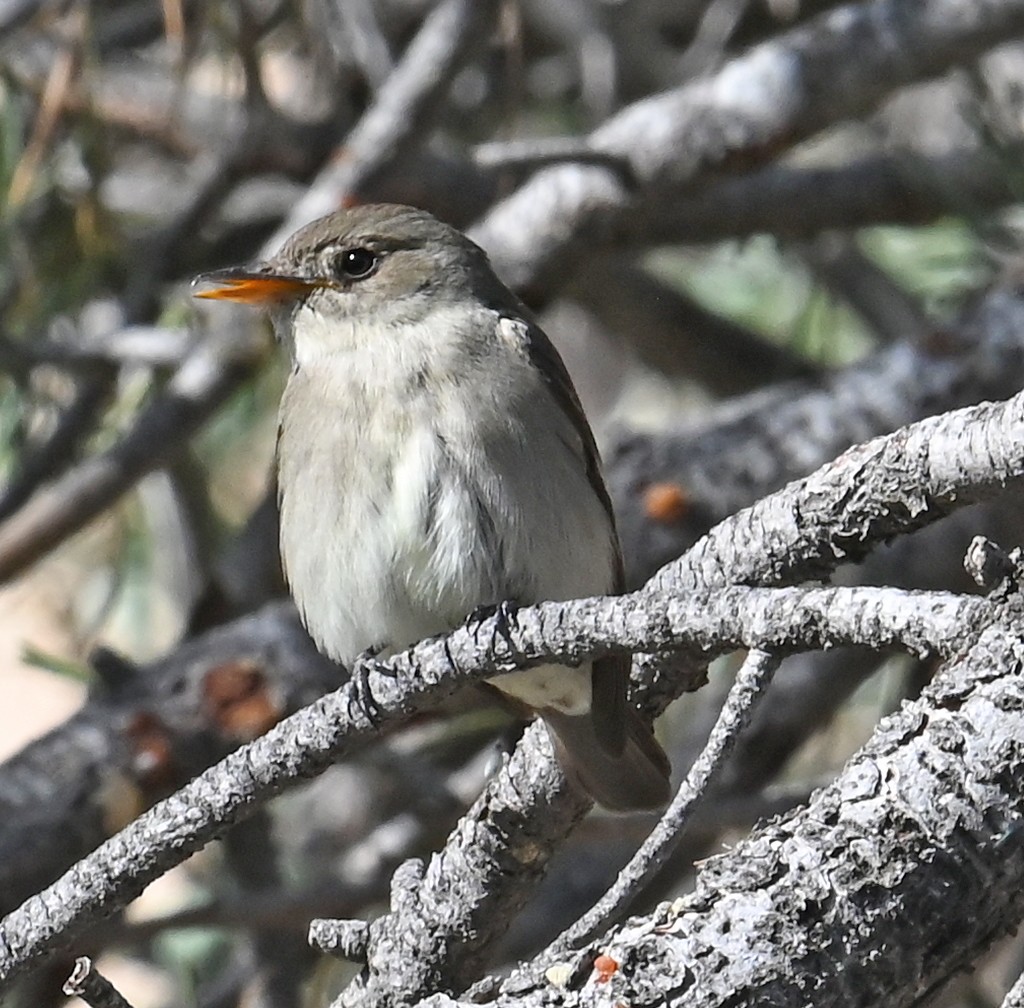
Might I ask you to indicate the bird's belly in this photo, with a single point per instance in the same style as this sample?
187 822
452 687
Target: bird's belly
398 554
396 525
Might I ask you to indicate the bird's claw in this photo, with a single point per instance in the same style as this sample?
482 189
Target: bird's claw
360 679
505 617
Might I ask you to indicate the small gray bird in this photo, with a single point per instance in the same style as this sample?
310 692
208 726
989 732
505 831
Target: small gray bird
433 458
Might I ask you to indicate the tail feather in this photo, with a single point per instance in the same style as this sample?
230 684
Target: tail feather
633 780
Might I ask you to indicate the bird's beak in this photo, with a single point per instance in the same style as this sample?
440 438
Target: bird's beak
251 286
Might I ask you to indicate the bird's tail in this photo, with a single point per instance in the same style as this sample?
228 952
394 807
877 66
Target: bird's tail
634 780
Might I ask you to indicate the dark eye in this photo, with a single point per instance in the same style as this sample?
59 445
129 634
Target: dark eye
356 263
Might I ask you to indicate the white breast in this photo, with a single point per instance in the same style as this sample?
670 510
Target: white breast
404 508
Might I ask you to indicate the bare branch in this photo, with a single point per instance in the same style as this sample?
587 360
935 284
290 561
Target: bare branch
57 451
943 469
890 881
801 202
885 306
1015 996
755 106
752 681
402 111
199 387
749 447
143 732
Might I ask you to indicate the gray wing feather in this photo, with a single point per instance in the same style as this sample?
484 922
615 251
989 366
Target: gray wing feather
610 675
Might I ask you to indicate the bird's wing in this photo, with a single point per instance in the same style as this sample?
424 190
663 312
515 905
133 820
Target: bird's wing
610 675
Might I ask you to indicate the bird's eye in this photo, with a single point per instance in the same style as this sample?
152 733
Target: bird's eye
356 263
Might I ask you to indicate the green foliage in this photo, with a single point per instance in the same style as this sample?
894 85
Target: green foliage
940 263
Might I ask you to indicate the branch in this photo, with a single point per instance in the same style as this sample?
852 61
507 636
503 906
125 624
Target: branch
792 201
1015 996
891 311
679 337
871 493
199 387
93 987
144 732
757 105
383 693
943 467
751 685
403 109
73 425
888 883
750 447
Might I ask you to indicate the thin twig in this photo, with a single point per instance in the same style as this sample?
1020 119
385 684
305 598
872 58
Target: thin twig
751 683
194 393
59 83
360 38
537 152
402 110
75 423
716 26
890 310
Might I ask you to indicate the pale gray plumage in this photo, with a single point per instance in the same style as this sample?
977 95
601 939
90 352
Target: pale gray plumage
433 459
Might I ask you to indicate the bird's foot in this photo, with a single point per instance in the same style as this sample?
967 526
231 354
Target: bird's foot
504 613
360 679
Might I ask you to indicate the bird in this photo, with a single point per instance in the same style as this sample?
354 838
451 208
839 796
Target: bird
434 461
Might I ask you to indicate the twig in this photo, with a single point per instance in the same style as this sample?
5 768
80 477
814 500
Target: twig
93 987
955 470
74 424
59 83
751 683
848 900
800 202
217 172
199 387
353 32
892 312
746 448
145 731
717 24
270 911
402 110
757 105
679 337
537 152
152 346
846 504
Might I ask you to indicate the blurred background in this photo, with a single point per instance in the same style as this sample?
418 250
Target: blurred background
728 331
